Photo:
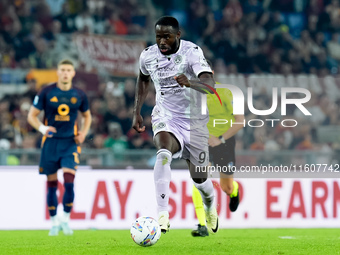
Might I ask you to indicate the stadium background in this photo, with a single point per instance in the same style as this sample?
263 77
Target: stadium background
250 43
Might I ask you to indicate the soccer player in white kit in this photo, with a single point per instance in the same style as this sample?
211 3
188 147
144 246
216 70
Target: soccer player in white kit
176 68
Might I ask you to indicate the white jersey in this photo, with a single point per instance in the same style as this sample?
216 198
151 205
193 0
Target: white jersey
172 100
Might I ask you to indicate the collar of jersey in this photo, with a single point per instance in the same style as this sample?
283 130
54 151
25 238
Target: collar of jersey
170 56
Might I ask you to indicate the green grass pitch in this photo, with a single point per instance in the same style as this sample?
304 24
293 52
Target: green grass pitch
226 241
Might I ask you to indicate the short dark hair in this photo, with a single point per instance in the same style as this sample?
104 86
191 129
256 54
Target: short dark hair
65 62
168 21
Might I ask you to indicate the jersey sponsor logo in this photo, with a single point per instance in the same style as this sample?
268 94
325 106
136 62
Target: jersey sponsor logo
167 68
167 81
165 72
54 99
63 111
178 59
177 91
74 100
36 100
62 118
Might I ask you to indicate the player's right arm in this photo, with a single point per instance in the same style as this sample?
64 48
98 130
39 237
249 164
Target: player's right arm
39 103
142 88
34 121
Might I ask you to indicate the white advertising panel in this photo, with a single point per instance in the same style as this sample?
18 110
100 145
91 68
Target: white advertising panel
113 199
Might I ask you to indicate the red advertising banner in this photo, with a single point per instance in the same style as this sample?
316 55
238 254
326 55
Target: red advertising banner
117 56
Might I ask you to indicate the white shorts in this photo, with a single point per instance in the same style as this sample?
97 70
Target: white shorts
194 142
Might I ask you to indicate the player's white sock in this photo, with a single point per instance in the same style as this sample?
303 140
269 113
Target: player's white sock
207 192
65 217
162 177
54 220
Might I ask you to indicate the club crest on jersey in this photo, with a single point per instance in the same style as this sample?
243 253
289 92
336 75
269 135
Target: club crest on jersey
160 126
178 59
73 100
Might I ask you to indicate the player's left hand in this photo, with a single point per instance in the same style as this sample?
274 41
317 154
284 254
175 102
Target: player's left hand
80 138
214 141
182 80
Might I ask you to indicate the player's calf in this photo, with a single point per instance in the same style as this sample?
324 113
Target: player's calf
52 199
52 204
67 203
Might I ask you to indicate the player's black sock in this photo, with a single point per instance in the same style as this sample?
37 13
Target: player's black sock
69 192
52 200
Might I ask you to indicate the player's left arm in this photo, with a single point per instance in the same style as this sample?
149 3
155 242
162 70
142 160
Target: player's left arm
86 124
205 85
201 68
236 126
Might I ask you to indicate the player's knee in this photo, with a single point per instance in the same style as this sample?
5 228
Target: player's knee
52 184
164 156
68 178
199 180
52 177
69 186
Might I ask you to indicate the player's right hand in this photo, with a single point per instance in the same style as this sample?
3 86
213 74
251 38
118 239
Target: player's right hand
50 131
137 123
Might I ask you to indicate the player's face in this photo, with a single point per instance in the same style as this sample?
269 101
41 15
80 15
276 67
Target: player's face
167 39
65 73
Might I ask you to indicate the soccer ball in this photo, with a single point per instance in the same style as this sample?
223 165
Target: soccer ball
145 231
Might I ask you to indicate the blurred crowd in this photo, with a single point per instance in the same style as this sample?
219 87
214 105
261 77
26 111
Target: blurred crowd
239 36
253 36
279 37
112 108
